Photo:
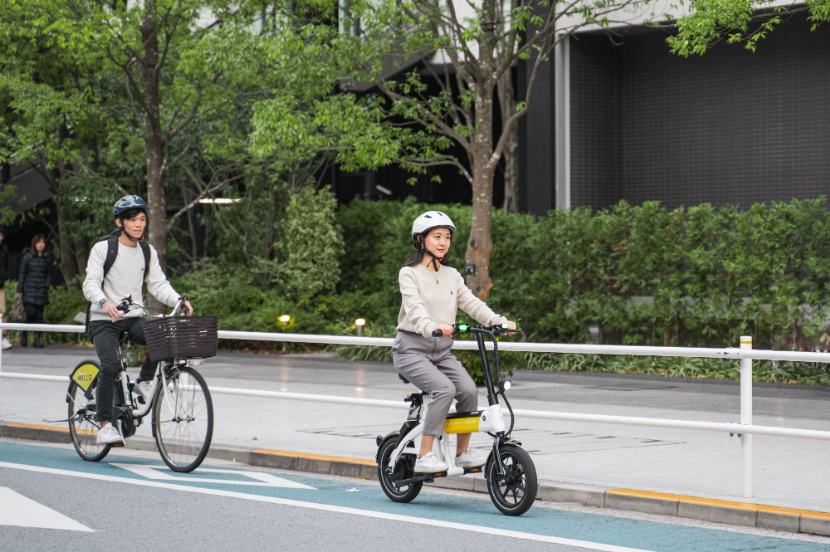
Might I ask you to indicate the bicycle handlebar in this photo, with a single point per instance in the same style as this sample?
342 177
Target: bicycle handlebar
458 329
127 304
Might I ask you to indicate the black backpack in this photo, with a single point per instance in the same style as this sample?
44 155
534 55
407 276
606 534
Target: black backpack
112 253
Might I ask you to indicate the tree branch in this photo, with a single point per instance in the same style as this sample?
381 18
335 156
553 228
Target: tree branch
202 194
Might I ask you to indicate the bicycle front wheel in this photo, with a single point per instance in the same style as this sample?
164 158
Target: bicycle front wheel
183 419
513 491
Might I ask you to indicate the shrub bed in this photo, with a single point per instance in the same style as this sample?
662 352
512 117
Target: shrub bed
641 275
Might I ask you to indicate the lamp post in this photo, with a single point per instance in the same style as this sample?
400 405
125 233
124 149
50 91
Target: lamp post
284 320
359 323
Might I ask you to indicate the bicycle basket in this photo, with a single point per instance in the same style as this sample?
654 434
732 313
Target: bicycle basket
182 337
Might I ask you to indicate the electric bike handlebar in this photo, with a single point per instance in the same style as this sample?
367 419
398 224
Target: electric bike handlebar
458 329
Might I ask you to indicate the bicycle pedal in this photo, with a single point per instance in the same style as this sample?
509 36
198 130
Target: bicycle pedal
118 444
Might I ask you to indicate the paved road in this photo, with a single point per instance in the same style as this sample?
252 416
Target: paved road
51 500
787 472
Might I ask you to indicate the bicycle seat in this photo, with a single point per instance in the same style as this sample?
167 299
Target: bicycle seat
124 338
403 379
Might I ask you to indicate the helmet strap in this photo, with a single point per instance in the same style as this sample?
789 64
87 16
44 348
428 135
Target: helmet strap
125 233
420 246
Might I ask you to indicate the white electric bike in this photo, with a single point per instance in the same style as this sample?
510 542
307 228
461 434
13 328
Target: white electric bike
509 470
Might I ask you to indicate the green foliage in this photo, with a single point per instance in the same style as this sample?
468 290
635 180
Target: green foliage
311 246
708 368
643 275
711 21
361 352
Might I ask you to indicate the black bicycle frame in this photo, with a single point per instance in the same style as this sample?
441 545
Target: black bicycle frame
485 366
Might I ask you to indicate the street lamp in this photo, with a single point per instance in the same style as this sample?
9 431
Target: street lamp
284 320
359 323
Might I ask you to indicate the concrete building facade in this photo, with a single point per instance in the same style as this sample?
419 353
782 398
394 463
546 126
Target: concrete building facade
622 118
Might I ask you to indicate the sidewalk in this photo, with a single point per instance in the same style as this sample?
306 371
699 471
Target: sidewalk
590 463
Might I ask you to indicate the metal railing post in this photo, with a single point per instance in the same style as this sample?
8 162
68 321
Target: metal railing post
746 419
2 317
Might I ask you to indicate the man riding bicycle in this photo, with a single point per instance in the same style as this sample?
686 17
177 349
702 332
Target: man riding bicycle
108 279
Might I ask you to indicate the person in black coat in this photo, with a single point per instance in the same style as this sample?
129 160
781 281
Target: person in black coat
33 284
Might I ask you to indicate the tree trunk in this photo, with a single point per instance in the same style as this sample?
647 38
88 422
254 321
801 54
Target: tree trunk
484 164
68 264
507 102
153 140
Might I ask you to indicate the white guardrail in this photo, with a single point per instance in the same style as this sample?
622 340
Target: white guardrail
745 354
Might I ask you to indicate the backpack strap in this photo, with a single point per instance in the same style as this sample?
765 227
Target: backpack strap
145 248
112 253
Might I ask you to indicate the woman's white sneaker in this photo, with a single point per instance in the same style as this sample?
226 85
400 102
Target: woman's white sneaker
470 459
429 463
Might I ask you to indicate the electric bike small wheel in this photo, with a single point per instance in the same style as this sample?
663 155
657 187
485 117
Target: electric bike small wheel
514 491
183 419
83 429
404 469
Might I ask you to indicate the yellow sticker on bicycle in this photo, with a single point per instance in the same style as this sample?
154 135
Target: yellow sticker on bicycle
84 375
461 425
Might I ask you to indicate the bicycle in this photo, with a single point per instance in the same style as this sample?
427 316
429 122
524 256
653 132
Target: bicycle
509 471
182 409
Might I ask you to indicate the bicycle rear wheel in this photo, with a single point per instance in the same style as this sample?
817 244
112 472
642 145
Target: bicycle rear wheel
83 429
183 419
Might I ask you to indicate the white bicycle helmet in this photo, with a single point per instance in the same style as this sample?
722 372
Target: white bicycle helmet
430 220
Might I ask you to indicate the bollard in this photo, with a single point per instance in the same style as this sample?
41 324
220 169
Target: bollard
746 419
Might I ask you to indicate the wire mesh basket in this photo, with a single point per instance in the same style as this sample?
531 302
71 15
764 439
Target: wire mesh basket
182 337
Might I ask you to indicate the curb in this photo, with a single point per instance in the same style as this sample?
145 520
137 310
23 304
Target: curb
718 511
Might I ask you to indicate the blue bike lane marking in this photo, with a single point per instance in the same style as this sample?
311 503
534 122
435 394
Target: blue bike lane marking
644 535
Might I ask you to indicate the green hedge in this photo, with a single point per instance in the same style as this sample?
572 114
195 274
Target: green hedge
644 275
695 276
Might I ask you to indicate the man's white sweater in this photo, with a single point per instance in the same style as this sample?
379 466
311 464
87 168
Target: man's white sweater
125 277
431 299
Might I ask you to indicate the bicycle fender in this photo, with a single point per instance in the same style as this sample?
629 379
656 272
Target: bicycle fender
85 376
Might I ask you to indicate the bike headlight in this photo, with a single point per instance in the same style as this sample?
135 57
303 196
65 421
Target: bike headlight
506 385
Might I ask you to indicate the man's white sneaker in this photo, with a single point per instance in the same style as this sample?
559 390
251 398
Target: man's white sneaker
7 344
108 435
145 389
429 463
470 459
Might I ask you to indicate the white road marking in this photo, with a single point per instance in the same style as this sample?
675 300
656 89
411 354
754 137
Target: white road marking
16 509
163 474
330 508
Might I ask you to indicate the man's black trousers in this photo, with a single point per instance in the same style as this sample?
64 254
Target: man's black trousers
105 336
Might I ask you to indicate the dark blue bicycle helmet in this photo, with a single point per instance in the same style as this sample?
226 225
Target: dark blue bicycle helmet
129 202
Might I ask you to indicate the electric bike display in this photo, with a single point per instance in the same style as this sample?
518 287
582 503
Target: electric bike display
509 470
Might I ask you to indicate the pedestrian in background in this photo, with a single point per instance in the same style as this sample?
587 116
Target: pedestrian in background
33 284
4 274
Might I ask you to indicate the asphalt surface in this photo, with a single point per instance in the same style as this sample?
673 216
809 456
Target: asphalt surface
117 507
787 472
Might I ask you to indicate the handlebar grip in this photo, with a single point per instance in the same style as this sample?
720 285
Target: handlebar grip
437 333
